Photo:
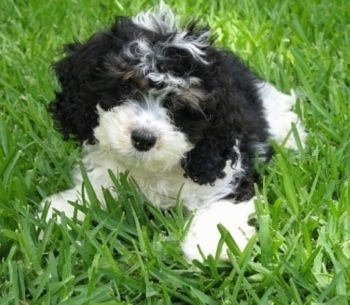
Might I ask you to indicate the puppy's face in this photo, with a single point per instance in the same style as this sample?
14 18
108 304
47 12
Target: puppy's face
141 90
142 134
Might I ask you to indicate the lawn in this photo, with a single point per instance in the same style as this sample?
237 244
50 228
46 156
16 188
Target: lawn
130 253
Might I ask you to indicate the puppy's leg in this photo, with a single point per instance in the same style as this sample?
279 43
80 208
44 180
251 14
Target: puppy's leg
204 233
280 116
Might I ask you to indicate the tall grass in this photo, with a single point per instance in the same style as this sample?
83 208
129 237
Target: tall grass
130 253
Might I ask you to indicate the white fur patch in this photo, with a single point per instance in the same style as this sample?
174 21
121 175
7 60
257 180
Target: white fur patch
279 115
163 21
203 232
60 202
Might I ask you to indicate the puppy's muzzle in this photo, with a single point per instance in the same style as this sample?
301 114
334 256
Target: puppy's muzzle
142 141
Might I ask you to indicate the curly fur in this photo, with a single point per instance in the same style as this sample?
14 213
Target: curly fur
164 103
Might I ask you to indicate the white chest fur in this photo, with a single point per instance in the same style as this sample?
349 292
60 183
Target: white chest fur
163 189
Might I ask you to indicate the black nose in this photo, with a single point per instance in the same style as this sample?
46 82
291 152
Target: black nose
142 141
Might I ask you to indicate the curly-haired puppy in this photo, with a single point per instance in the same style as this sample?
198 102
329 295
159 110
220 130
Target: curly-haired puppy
181 115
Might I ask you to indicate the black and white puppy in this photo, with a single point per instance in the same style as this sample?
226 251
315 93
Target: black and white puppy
178 113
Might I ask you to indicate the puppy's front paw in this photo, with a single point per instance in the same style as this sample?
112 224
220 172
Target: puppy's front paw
62 202
204 233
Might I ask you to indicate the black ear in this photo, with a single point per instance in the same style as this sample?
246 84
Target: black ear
235 125
84 65
205 163
74 107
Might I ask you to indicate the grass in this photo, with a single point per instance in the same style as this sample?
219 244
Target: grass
130 254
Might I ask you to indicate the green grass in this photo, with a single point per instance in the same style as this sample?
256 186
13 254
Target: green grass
130 254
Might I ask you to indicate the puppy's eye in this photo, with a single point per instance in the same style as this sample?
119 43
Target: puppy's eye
161 67
167 102
177 71
188 114
126 88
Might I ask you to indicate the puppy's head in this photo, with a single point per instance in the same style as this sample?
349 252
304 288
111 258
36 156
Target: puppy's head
152 93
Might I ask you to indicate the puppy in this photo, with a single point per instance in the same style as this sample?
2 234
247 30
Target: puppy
181 115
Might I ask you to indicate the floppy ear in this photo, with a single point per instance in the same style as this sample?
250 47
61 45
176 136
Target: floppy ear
235 125
74 107
206 161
